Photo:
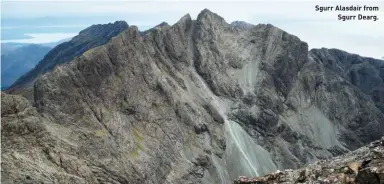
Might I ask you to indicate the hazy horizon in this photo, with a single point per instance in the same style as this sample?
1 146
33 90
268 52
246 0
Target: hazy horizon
49 21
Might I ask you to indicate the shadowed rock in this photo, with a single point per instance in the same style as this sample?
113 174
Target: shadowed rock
364 165
365 73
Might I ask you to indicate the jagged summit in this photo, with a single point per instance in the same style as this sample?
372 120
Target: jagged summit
162 24
208 16
242 25
98 27
206 11
186 17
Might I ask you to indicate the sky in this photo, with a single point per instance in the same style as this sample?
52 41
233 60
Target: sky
48 21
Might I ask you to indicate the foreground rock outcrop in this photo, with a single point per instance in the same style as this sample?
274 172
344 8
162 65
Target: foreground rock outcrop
201 101
365 165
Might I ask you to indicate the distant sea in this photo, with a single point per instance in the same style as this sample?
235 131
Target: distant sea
38 34
40 38
49 29
45 29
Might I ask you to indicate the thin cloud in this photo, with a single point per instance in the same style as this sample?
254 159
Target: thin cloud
296 17
42 38
38 26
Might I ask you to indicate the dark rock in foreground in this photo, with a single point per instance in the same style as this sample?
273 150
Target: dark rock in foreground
365 165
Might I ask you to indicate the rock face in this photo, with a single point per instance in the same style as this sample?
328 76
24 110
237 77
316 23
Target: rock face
365 73
242 25
201 101
365 165
89 38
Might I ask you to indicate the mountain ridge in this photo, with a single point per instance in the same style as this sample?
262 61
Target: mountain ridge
364 72
90 37
200 101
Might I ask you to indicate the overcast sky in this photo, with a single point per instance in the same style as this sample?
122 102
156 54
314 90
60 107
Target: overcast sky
45 21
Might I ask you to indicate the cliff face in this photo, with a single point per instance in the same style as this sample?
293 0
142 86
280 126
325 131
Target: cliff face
365 73
89 38
199 101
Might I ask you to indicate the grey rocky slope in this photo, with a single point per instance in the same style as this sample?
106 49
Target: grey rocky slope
88 38
242 25
197 102
365 73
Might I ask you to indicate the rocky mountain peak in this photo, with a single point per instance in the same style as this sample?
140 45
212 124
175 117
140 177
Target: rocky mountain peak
184 24
185 20
197 102
206 17
162 24
97 28
242 25
133 33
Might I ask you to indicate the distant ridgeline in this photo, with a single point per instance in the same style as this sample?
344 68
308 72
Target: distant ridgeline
89 38
16 60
